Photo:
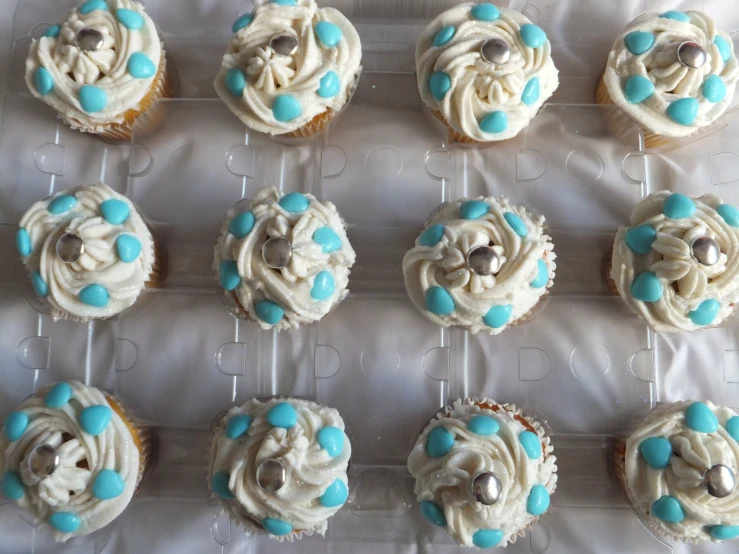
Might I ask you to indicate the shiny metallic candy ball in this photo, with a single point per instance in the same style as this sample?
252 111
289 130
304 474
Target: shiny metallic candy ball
705 250
277 252
496 51
719 481
486 488
43 461
284 45
691 54
89 39
69 248
483 260
271 475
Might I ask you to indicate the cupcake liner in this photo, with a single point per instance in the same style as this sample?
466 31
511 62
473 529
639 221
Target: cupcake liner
159 267
606 267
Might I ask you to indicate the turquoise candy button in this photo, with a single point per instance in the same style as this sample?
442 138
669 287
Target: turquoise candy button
531 444
323 286
725 532
95 419
331 440
439 442
724 49
269 312
43 80
229 274
115 211
532 35
92 98
335 495
433 513
235 81
646 287
538 501
444 36
637 89
329 85
498 316
58 395
128 248
241 225
23 242
327 238
516 223
62 203
483 425
439 84
473 209
729 214
732 427
676 15
276 527
638 42
485 12
494 122
219 485
432 235
700 418
65 522
15 425
241 22
92 5
282 415
487 538
12 485
439 301
683 111
705 313
531 91
656 451
39 285
140 66
108 484
294 202
285 2
639 239
53 32
678 205
130 19
542 275
669 509
328 33
238 425
714 89
95 295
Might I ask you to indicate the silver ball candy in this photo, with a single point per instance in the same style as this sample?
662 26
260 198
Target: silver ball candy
483 260
719 481
277 252
496 51
691 54
69 248
705 250
284 45
271 475
89 39
43 461
486 488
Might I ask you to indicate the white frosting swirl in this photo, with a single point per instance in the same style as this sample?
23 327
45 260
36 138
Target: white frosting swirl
269 75
291 286
445 264
671 79
310 469
107 68
686 282
447 480
478 87
82 457
693 453
100 264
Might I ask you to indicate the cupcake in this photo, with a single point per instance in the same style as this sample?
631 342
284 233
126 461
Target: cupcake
679 468
283 259
674 74
100 68
484 71
71 455
483 264
278 466
677 263
89 252
483 471
290 67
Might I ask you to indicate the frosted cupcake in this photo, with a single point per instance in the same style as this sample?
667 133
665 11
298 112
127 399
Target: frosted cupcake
283 259
278 467
483 264
89 252
679 470
290 67
484 472
484 71
674 74
100 68
72 456
677 263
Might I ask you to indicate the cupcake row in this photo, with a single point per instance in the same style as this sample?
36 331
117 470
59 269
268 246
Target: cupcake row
483 72
485 472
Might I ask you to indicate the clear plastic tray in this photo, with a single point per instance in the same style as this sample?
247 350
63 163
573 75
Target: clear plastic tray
585 363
